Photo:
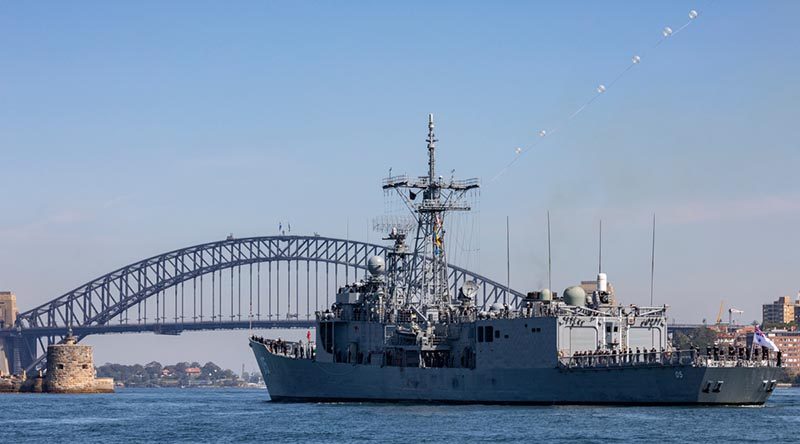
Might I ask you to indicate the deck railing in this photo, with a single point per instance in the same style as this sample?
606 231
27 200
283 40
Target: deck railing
606 359
297 350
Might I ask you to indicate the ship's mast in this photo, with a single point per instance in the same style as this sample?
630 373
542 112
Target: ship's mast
427 277
430 232
431 150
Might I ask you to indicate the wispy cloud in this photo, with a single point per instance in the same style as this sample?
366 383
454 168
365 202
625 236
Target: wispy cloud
40 226
697 210
736 209
62 217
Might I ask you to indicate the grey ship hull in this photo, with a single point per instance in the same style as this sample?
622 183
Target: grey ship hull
304 380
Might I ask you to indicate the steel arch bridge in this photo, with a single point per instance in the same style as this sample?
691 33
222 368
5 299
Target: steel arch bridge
257 282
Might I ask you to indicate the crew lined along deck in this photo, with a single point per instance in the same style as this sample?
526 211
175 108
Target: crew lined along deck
296 350
713 357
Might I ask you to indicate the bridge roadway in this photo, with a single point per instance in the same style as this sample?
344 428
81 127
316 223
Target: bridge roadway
176 328
171 328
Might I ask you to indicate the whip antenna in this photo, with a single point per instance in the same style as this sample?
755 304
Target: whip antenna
549 257
653 260
508 262
600 250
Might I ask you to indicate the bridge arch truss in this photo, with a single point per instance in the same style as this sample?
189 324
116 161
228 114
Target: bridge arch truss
258 282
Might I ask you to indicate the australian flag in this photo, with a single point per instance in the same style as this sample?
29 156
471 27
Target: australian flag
761 340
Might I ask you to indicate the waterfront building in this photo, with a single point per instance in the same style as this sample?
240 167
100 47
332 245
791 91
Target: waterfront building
8 315
590 286
782 311
789 344
8 309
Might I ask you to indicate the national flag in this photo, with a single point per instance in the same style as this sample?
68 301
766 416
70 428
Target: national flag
438 236
761 340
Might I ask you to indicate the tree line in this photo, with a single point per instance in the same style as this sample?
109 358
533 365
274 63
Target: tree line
154 374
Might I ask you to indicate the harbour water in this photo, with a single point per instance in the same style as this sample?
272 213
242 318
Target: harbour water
244 415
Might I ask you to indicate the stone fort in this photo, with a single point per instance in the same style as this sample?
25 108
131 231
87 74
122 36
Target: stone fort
70 369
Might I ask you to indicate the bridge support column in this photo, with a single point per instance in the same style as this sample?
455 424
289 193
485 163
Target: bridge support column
20 353
6 355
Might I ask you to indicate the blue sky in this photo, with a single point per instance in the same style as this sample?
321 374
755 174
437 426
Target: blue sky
130 129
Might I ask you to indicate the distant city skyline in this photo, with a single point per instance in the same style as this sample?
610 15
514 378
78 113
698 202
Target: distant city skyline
128 130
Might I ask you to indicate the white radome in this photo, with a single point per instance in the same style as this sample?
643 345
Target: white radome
376 265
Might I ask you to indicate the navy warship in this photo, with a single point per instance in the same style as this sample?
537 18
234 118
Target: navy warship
400 335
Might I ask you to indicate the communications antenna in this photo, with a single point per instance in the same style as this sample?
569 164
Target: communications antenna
508 261
549 257
600 250
653 260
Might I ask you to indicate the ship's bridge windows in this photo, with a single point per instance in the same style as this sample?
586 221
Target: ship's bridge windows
487 334
326 333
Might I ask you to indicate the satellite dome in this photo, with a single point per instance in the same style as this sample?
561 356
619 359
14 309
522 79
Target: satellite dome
575 295
496 307
546 295
468 290
376 265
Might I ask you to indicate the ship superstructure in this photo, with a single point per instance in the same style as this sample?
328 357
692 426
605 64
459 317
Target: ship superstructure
399 334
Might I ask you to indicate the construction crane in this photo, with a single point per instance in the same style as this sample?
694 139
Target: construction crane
732 311
719 314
